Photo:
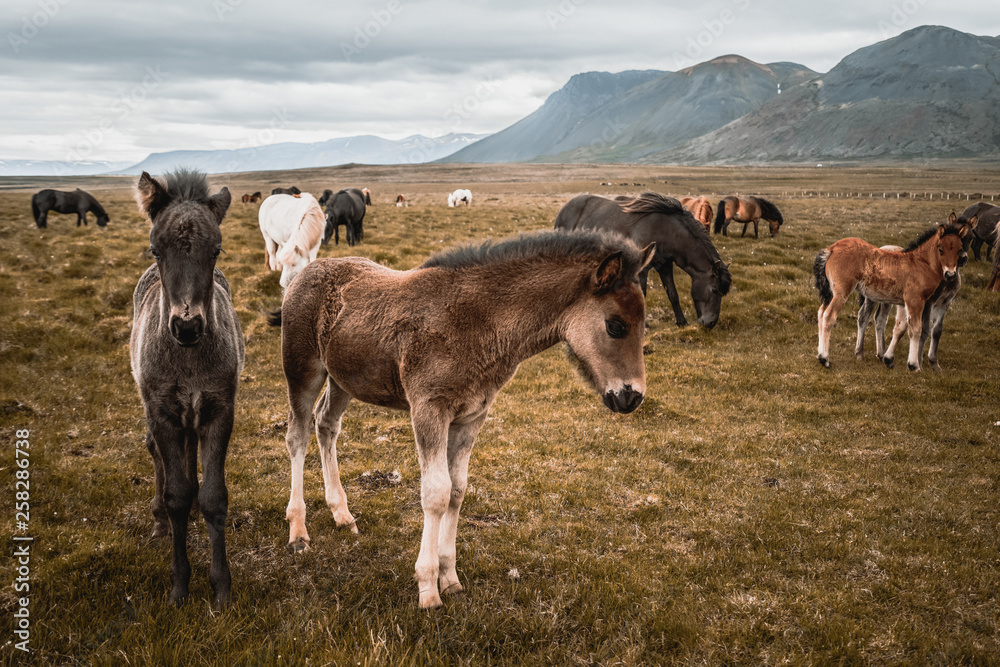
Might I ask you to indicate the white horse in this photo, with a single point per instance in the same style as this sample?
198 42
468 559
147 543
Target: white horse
459 196
292 227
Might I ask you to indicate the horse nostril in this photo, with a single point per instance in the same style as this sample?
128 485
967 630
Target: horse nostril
187 331
624 401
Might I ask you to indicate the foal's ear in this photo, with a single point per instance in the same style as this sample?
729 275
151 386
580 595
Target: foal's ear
952 218
964 229
973 221
151 196
607 273
940 230
219 204
647 256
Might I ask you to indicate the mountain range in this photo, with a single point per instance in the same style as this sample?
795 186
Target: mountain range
930 92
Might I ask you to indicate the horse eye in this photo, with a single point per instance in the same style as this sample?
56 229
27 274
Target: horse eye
216 253
155 254
940 251
616 328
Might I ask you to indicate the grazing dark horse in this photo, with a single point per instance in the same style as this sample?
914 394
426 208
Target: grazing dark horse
286 191
994 282
347 208
747 210
679 238
907 278
78 202
187 355
700 208
984 232
251 199
441 341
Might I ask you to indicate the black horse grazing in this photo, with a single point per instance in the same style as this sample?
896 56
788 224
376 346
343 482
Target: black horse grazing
286 191
679 238
347 208
78 202
187 354
986 217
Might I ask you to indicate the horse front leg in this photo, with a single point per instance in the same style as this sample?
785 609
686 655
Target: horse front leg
161 520
666 271
178 495
460 439
328 416
915 318
213 499
755 224
430 427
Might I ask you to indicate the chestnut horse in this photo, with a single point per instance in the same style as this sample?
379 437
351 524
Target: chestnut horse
700 208
907 278
441 341
251 199
401 201
747 210
938 304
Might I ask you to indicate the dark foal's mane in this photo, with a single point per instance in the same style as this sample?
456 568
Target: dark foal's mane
581 245
654 202
925 236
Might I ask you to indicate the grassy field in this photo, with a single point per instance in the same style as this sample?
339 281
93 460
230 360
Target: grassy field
757 509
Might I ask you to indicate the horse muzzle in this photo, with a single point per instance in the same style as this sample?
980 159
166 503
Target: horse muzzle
187 331
949 275
707 323
623 401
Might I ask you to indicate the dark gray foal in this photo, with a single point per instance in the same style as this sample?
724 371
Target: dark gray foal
187 355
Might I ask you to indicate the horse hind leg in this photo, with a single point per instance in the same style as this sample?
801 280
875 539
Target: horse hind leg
937 326
305 380
827 318
881 320
328 416
864 315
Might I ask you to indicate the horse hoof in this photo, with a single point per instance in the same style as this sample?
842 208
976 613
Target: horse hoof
160 531
912 367
453 589
430 600
222 601
298 546
888 361
682 322
824 362
178 596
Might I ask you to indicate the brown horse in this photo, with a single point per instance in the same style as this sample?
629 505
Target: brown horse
747 210
251 199
401 201
441 341
909 278
937 304
700 208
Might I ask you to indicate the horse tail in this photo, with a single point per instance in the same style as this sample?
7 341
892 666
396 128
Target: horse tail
822 282
273 317
720 217
35 208
769 211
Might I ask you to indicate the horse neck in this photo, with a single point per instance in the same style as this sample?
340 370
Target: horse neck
701 259
927 252
524 313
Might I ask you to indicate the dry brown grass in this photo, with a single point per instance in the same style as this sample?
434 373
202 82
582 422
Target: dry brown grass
756 509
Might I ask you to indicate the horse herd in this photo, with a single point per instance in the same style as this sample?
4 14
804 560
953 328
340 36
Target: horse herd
442 339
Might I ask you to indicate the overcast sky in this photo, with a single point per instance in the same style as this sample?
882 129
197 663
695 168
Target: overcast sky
119 79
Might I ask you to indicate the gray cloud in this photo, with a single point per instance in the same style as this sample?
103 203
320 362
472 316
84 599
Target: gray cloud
118 79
